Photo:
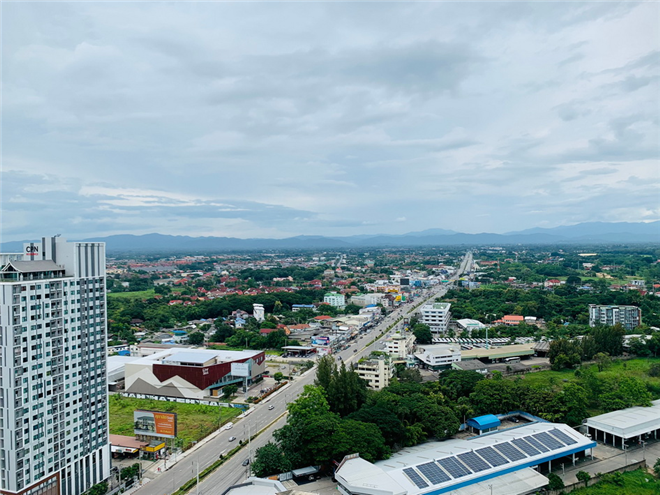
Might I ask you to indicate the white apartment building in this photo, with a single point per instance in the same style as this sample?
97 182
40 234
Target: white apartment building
258 312
335 299
400 346
438 355
436 316
53 385
376 372
629 316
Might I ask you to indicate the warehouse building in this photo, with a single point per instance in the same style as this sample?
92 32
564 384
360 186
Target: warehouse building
192 373
631 425
507 462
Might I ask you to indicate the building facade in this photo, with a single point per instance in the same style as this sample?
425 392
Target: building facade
436 316
376 372
335 299
438 356
629 316
400 346
192 373
53 402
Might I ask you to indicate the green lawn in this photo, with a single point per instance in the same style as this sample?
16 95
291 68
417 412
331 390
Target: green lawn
194 422
634 483
140 294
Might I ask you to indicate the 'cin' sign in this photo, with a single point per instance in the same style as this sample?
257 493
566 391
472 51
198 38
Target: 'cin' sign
32 250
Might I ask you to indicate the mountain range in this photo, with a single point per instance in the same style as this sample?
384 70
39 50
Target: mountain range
583 233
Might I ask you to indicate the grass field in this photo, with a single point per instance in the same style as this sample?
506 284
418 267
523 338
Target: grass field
194 422
140 294
634 483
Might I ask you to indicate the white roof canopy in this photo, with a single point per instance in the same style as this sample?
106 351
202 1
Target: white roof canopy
628 423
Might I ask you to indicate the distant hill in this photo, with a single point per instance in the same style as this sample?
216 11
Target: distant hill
585 233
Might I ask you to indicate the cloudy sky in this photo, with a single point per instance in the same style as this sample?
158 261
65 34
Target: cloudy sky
279 119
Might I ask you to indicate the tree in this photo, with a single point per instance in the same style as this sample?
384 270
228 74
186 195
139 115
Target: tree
573 280
459 383
654 370
355 436
603 361
422 333
555 482
270 459
346 392
639 347
410 375
278 377
98 489
229 390
583 476
621 392
196 338
324 371
656 467
389 424
352 309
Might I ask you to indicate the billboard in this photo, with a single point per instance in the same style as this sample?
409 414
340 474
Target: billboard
154 423
240 369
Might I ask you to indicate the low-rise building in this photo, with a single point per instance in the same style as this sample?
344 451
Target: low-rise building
629 316
377 372
191 373
335 299
400 345
436 316
438 355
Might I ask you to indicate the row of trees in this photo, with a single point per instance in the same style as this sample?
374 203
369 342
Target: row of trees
565 304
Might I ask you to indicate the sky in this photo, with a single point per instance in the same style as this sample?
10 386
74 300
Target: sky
269 119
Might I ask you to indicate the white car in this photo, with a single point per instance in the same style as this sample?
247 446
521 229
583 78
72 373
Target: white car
271 407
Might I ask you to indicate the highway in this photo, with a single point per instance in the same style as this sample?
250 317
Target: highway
268 420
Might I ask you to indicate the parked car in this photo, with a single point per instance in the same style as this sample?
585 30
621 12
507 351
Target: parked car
231 439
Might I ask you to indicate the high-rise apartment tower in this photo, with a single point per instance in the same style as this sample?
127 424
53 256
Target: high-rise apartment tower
53 385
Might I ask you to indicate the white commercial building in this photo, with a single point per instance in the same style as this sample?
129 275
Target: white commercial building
376 372
53 399
436 316
400 346
335 299
366 299
438 355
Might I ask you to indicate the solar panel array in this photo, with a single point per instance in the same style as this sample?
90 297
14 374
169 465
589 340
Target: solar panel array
453 467
415 478
539 446
466 463
473 461
525 447
492 456
551 442
509 451
563 436
433 473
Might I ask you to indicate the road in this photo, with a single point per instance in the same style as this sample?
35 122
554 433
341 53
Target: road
261 418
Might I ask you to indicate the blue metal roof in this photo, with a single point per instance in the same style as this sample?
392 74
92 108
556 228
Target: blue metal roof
484 422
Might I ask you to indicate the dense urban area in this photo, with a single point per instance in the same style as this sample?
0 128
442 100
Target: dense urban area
509 370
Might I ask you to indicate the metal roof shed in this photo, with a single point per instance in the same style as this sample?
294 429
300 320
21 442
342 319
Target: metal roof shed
624 424
484 423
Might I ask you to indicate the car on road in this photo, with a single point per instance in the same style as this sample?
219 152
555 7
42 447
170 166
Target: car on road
271 407
246 462
231 439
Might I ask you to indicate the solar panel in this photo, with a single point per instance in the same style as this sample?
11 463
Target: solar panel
473 461
453 467
550 442
433 473
492 456
525 447
564 437
415 478
537 444
509 451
